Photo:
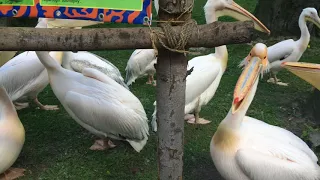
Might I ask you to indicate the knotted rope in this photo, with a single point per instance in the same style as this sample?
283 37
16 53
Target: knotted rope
176 40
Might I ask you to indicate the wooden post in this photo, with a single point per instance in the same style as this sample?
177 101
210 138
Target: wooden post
171 85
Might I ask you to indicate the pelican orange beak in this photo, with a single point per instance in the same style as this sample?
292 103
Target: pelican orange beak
248 77
309 72
236 11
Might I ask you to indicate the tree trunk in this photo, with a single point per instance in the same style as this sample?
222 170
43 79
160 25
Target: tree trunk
281 16
171 86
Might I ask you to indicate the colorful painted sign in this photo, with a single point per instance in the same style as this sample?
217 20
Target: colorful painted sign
118 11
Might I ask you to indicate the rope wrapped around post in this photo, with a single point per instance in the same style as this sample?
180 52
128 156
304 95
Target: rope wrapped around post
176 40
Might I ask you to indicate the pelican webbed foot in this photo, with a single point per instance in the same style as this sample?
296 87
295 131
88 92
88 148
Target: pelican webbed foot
199 121
12 173
20 106
196 117
102 144
46 107
282 84
277 81
188 117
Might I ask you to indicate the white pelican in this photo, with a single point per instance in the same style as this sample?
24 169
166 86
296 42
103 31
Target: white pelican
99 104
203 82
141 62
290 50
82 59
309 72
12 137
246 148
24 77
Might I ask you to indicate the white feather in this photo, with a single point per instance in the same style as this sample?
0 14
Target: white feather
23 77
83 59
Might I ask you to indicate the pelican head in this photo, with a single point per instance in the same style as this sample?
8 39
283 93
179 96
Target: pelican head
217 8
311 14
260 50
249 76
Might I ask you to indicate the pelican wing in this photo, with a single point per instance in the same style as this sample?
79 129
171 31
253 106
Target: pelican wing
107 114
270 152
106 108
260 127
116 70
276 161
203 75
124 95
281 50
89 60
20 73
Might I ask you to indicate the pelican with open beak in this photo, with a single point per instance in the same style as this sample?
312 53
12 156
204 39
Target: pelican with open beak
246 148
309 72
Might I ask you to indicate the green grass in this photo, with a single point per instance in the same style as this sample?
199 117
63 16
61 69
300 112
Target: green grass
57 147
